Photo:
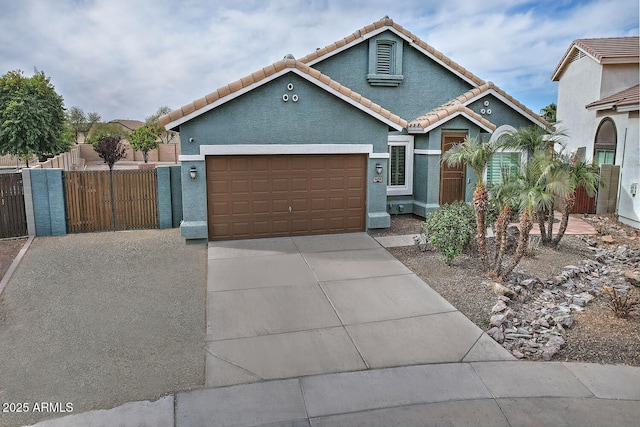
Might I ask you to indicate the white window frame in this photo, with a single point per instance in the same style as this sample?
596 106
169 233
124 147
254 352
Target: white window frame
407 142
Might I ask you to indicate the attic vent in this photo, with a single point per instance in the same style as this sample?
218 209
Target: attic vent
578 54
384 60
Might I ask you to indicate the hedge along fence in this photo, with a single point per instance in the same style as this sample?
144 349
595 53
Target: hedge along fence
47 200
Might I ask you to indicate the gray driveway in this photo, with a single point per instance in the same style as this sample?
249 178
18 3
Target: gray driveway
100 319
290 307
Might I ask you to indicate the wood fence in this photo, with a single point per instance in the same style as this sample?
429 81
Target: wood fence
91 207
13 218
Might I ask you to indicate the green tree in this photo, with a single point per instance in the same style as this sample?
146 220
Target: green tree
549 113
166 136
101 130
144 138
32 119
76 118
475 154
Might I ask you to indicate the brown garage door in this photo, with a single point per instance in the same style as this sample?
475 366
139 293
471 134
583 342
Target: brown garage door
285 195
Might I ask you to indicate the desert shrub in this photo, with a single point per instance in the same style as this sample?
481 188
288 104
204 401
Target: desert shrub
621 303
449 229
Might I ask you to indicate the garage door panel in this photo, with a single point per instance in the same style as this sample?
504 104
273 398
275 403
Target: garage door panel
250 196
238 164
299 184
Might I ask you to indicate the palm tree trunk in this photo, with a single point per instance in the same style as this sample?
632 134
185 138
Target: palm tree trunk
569 201
480 204
525 227
501 238
541 217
550 219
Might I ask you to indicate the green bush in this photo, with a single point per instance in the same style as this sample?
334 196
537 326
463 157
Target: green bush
450 229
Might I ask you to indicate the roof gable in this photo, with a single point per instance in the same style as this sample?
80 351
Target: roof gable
443 114
458 106
387 24
611 50
269 73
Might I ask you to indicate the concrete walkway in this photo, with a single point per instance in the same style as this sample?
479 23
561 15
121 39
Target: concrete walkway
334 331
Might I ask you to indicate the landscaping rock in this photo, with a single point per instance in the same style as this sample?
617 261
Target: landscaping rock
500 306
534 325
500 289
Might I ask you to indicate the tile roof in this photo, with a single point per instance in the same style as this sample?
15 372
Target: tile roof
387 22
129 124
610 50
303 66
626 99
426 121
268 73
445 112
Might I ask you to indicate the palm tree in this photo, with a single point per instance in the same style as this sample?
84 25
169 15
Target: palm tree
476 154
581 174
502 196
549 113
538 185
540 144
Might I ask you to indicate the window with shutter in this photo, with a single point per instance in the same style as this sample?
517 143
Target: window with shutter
400 165
503 167
397 156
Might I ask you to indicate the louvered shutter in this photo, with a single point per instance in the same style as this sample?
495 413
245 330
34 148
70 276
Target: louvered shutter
397 164
502 165
384 58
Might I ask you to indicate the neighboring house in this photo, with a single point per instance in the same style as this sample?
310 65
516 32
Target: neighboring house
598 107
338 140
128 125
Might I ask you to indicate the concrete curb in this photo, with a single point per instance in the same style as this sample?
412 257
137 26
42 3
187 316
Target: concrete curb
15 264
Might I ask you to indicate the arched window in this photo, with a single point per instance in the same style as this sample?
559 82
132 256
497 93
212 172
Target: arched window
604 148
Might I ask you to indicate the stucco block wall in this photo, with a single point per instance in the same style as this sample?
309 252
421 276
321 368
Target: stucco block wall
169 193
47 192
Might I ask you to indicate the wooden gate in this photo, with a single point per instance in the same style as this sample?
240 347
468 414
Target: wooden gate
90 206
584 203
13 218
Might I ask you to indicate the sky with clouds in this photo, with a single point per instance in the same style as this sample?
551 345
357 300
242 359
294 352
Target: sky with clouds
124 59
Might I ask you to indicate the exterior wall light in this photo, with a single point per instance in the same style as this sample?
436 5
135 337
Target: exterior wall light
193 172
378 168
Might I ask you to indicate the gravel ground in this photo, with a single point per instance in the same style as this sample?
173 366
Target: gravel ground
100 319
9 248
596 336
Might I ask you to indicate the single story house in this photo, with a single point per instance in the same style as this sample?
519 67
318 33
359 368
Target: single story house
336 141
598 108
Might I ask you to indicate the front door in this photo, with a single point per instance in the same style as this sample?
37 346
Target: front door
451 177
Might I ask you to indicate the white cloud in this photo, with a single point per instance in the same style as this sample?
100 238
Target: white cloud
124 59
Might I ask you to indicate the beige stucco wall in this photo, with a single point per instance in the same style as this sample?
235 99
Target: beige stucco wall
579 85
616 78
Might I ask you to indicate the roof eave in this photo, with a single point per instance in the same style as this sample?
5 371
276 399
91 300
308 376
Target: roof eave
420 130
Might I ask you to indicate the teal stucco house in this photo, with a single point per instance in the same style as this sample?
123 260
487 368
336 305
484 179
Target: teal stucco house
336 141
